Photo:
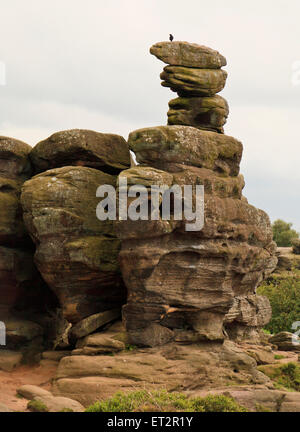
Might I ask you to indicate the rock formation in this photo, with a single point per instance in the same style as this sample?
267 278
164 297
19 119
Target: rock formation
192 286
22 291
194 72
76 253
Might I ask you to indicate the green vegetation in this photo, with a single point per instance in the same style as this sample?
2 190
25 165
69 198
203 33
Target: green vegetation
129 347
283 234
285 376
37 406
162 401
284 296
278 356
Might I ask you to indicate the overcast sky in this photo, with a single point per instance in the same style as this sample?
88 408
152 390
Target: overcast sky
74 64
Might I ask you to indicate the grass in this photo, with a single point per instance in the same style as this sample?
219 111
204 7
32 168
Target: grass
284 376
129 347
278 356
37 406
163 401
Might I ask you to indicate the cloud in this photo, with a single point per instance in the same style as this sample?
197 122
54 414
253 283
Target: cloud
87 65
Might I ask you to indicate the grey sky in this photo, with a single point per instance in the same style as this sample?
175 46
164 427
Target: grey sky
87 64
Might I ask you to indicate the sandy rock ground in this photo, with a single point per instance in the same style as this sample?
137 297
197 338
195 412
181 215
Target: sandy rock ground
40 375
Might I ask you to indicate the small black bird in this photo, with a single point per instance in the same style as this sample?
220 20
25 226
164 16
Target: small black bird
171 37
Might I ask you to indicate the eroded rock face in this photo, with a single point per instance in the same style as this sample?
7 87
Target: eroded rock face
82 147
182 285
16 261
76 253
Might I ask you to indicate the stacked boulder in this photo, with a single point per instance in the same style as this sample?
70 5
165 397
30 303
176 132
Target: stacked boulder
192 286
76 253
195 73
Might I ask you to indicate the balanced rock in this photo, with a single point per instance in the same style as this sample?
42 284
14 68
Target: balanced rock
181 285
179 53
76 253
194 72
207 113
81 147
193 81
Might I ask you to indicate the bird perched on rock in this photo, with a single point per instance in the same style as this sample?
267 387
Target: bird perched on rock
171 37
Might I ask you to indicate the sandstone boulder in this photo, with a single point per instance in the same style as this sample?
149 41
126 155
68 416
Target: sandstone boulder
188 81
9 359
76 253
165 147
180 53
14 159
286 341
93 322
54 404
207 113
81 147
29 391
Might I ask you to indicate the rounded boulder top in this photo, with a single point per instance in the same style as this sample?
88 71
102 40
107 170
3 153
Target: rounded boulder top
81 147
14 159
180 53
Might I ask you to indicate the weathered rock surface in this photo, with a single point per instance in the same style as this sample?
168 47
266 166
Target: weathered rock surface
287 259
246 315
99 343
55 355
9 359
207 113
296 247
76 253
81 147
259 399
56 404
180 53
18 274
14 159
181 285
17 271
93 322
286 341
166 147
173 367
193 81
29 391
